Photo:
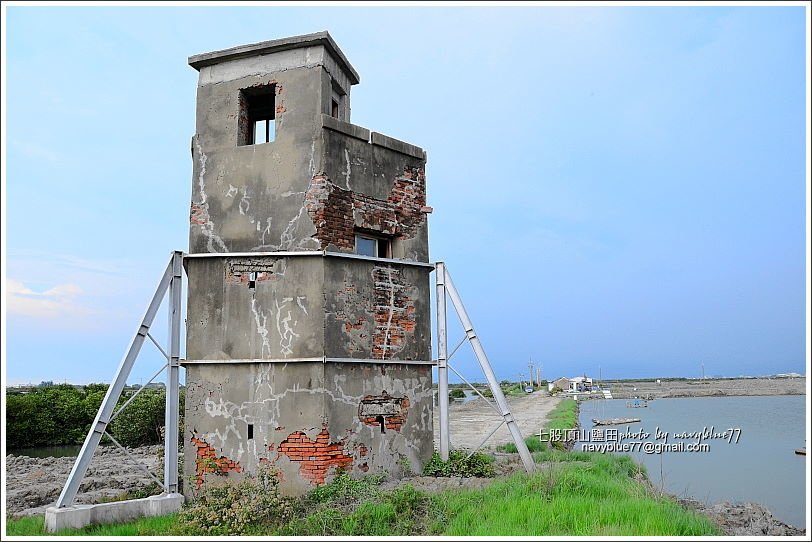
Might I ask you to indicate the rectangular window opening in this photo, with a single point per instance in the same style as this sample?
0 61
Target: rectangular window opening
257 122
250 431
337 96
372 245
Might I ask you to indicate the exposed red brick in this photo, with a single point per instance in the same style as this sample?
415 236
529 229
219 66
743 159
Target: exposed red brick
199 214
394 312
208 462
393 410
336 212
317 456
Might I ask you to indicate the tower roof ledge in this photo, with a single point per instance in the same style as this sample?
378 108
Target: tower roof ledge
267 47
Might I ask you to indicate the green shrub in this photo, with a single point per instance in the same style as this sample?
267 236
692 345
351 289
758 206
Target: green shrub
62 415
141 422
252 504
460 464
534 444
343 490
456 393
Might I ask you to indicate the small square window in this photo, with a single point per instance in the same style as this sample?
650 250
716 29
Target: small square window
369 245
366 246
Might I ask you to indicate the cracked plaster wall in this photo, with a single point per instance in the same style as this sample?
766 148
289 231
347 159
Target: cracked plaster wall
319 401
307 417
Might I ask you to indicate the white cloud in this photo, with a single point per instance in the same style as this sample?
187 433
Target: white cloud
61 301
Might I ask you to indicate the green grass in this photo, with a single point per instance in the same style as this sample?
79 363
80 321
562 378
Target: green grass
597 497
578 494
563 416
513 389
534 444
35 526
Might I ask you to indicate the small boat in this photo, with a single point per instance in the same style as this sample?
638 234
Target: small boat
801 451
637 403
615 421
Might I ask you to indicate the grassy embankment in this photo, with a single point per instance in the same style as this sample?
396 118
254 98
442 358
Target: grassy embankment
573 493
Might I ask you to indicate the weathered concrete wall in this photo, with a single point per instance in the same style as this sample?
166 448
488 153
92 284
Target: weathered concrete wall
278 346
279 314
250 197
376 310
308 419
370 182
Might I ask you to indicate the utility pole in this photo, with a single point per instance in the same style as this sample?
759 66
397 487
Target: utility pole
530 373
703 372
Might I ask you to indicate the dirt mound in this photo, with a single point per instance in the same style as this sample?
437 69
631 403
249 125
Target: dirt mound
33 484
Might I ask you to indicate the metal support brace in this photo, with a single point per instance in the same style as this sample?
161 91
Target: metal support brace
479 351
442 362
108 405
172 376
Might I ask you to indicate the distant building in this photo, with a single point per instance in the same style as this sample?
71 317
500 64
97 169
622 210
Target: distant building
562 383
580 383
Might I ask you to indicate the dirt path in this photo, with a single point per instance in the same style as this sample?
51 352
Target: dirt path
471 422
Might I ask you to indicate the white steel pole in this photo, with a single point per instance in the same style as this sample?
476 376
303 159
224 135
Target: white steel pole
173 377
521 445
442 361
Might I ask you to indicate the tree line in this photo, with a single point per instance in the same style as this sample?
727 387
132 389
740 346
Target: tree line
62 415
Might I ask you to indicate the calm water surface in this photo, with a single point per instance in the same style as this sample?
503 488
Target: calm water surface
762 467
48 451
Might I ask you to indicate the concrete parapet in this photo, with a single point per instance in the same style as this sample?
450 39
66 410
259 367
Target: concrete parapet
396 145
81 515
353 130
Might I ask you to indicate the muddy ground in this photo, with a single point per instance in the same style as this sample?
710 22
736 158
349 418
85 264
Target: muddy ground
625 389
33 484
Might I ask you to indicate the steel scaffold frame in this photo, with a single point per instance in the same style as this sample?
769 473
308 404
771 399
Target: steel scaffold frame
445 286
172 281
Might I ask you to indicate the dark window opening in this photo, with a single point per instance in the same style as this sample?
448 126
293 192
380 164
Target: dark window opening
250 431
382 421
370 245
337 96
257 123
252 280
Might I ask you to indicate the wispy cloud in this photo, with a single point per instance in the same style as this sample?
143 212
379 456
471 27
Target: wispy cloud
60 301
75 294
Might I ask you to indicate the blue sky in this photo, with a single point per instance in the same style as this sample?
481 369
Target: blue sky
616 190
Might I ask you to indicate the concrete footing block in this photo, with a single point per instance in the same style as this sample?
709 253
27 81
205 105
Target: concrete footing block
81 515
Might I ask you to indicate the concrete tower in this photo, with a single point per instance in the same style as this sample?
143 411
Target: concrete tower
308 322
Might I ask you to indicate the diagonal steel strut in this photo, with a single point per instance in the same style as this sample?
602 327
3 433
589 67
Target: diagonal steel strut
446 286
